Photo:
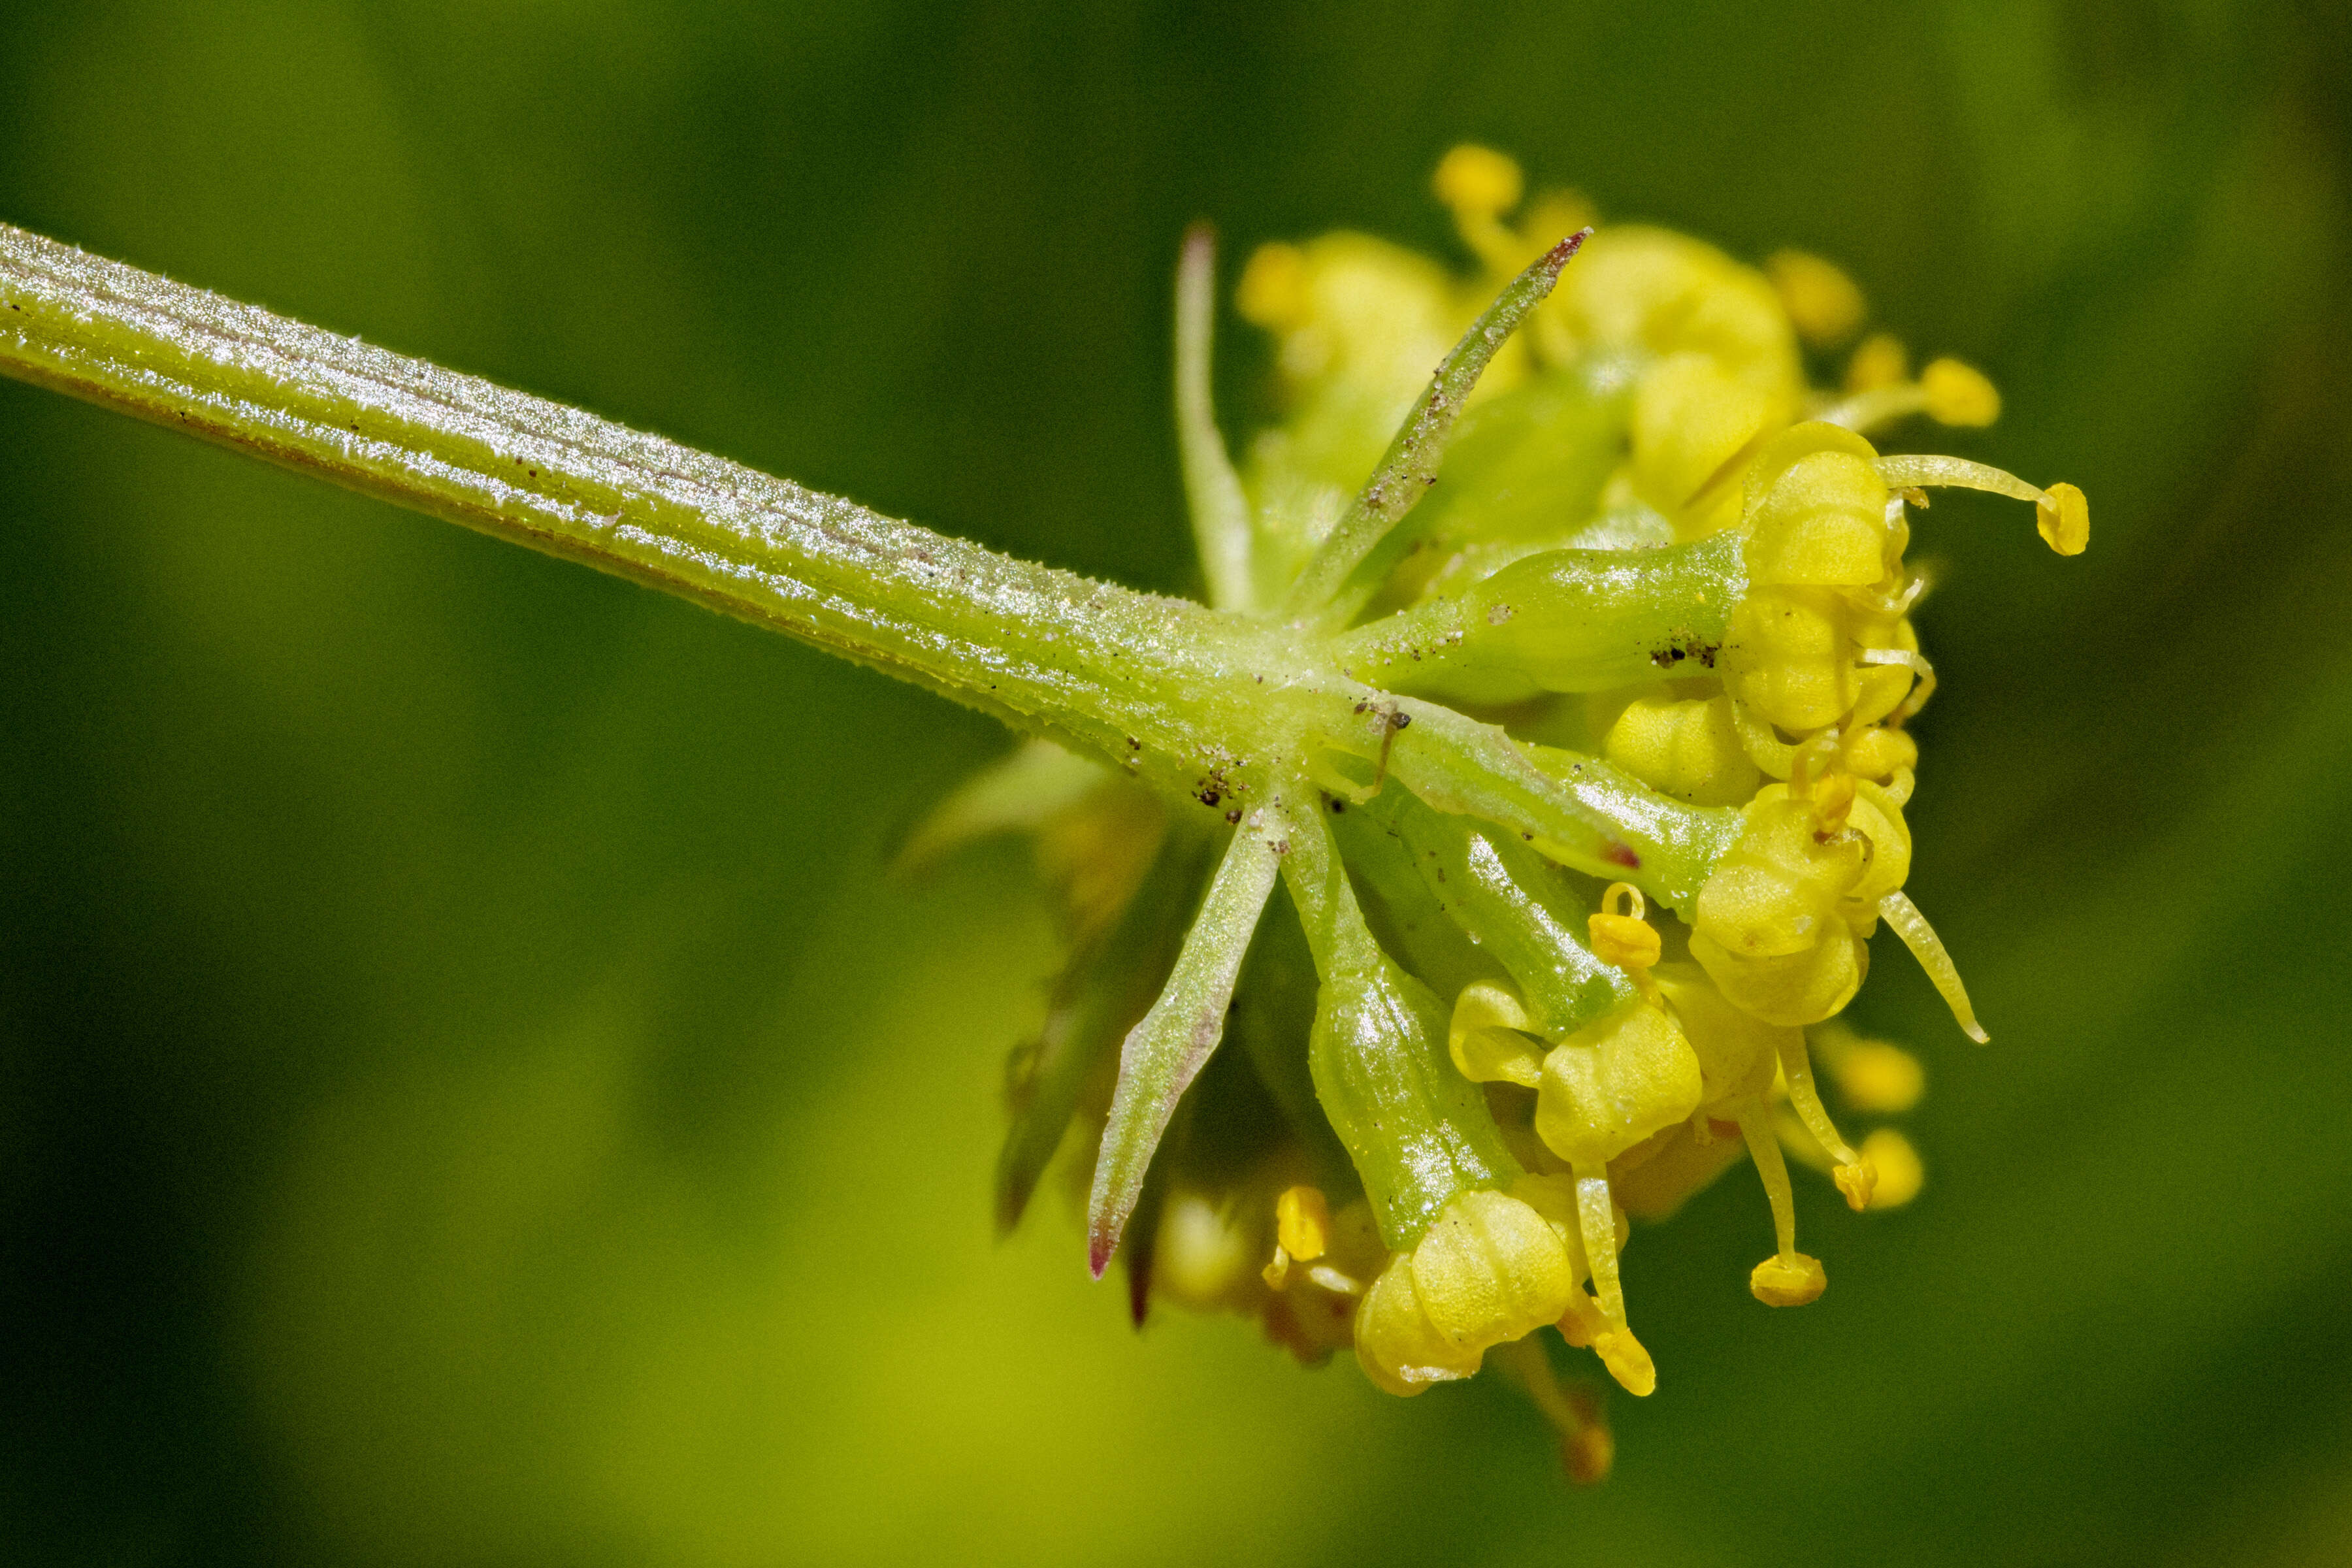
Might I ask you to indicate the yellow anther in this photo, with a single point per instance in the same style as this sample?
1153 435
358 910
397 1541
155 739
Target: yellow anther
1853 1173
2063 517
1900 1173
1873 1076
1789 1281
1627 1361
1880 360
1273 292
1626 939
1823 302
1555 213
1302 1223
1477 181
1856 1182
1957 395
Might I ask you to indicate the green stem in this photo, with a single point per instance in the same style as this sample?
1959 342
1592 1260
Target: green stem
1162 685
1213 704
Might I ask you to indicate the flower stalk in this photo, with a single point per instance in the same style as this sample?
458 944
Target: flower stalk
1649 649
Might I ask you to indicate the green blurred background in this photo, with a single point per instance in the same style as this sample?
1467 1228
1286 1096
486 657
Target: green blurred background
471 1093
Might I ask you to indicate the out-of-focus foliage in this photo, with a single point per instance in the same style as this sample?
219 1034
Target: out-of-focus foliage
470 1093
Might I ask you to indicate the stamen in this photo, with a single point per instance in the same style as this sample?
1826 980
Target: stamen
1596 1221
1765 1149
1928 948
1823 302
1872 1076
1302 1220
1853 1174
1788 1277
1905 469
1586 1448
1273 292
1620 936
1479 185
1956 393
1900 1172
1896 605
1875 407
1879 360
1919 667
2063 516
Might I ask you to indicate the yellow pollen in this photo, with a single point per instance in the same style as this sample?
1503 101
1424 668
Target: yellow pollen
1857 1181
1477 182
1900 1173
1789 1281
1627 1361
2063 515
2063 520
1878 361
1872 1076
1626 939
1302 1221
1957 395
1272 290
1853 1173
1823 302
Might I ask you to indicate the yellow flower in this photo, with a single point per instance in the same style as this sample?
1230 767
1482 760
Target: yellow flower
1671 576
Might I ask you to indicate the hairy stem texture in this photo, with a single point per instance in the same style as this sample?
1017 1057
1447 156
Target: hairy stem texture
1134 677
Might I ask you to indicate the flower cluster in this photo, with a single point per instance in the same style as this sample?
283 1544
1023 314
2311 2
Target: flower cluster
1658 577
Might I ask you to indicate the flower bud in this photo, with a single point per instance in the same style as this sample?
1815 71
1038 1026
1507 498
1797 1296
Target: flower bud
1490 1268
1613 1083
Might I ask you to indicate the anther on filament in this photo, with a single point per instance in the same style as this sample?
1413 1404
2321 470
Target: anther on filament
1788 1277
1587 1450
1855 1175
1947 392
2063 515
1622 937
